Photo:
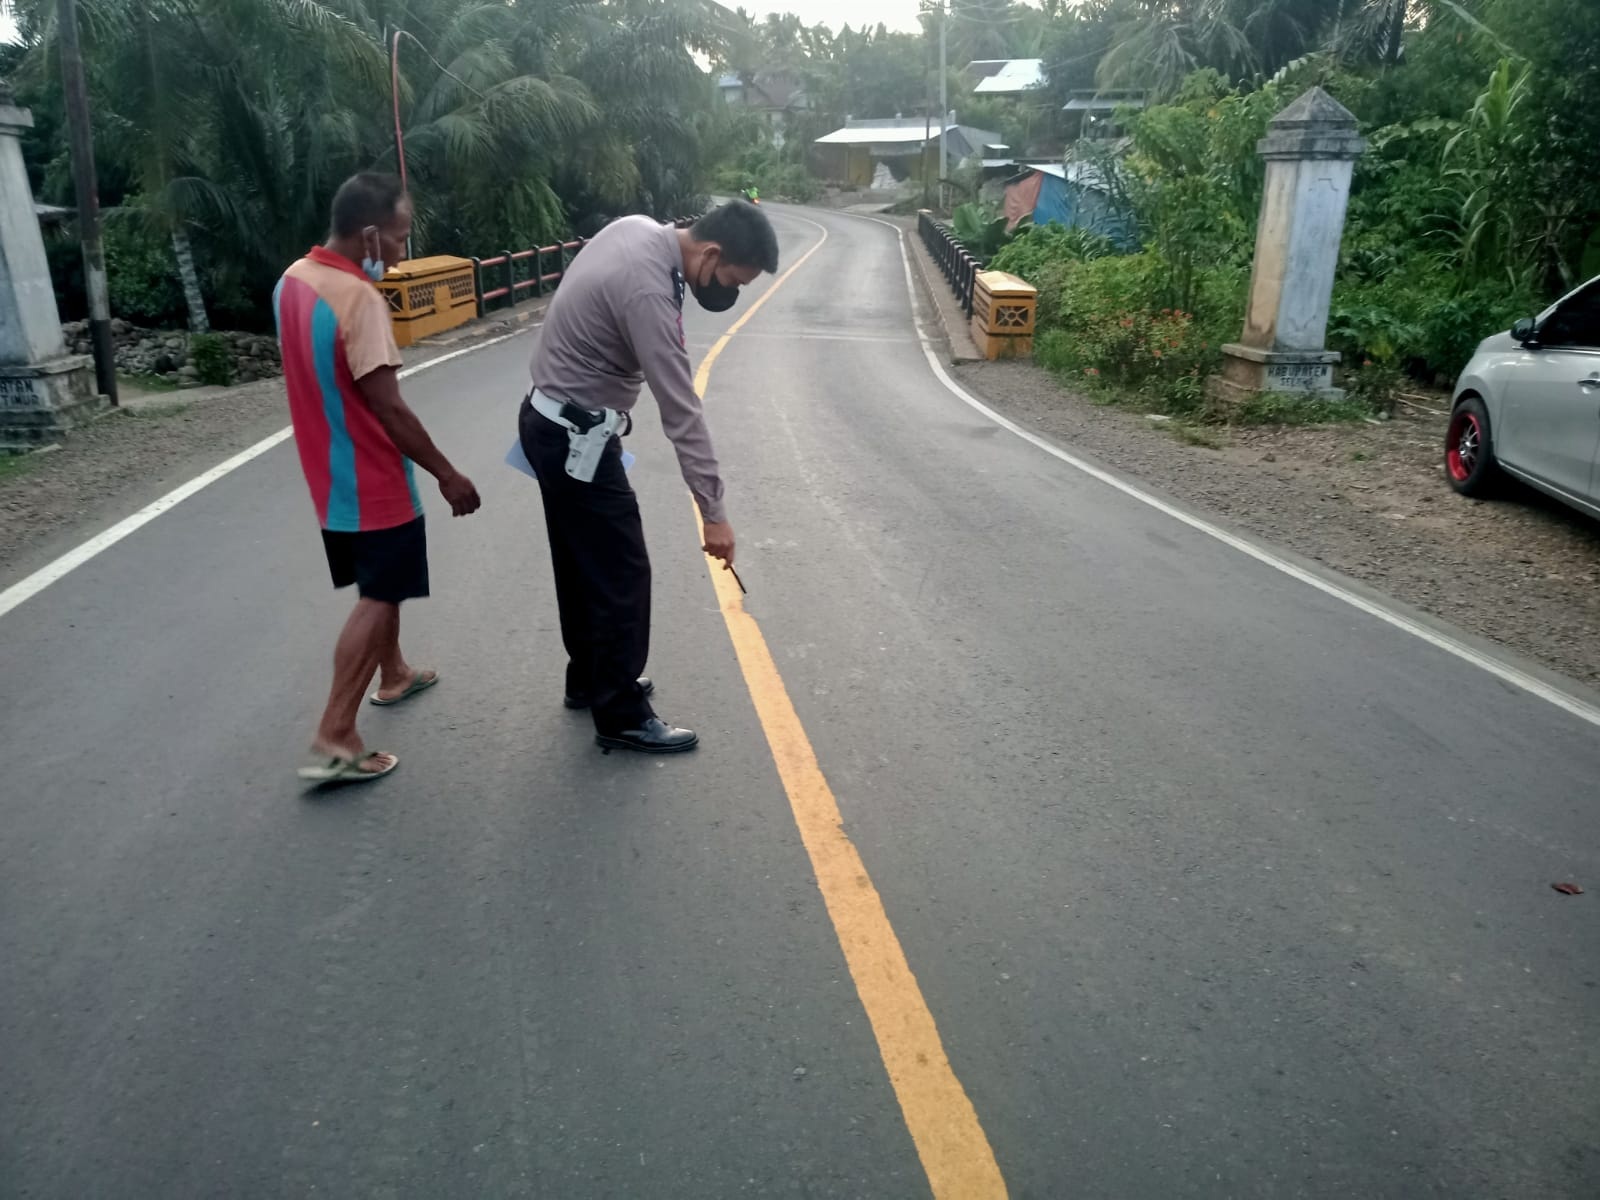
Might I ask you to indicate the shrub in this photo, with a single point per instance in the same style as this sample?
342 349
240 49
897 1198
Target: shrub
776 180
1159 354
1052 279
1373 323
1053 350
1419 320
1102 329
1453 326
141 276
982 230
1107 288
1039 247
212 361
1374 386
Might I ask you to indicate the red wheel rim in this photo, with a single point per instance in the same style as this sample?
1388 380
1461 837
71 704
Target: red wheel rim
1463 446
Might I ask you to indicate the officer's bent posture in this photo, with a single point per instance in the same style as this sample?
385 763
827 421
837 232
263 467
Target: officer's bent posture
616 323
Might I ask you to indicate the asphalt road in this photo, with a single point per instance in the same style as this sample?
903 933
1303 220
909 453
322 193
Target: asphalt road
1214 886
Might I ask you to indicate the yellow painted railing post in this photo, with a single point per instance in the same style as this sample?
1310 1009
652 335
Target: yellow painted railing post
428 296
1004 310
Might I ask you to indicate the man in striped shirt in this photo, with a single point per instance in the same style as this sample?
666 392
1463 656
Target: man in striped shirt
358 440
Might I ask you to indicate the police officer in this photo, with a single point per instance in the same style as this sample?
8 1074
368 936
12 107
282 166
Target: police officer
616 323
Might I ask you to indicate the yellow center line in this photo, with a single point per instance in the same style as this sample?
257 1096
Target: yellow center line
944 1126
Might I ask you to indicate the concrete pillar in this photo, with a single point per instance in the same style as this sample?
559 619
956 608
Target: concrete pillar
44 391
1310 150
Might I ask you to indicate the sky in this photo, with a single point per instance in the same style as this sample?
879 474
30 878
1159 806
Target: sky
896 14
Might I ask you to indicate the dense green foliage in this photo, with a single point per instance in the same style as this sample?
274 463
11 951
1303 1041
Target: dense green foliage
223 126
1474 204
212 362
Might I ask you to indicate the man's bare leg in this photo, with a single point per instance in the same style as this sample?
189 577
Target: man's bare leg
372 627
395 675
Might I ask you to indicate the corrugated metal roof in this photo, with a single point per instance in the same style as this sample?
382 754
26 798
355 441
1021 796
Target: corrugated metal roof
1102 103
904 131
872 132
1084 174
1017 75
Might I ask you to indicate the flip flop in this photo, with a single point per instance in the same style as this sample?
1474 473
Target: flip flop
346 770
420 682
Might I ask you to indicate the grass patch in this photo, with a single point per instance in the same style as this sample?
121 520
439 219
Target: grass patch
157 412
14 466
1191 434
149 383
1190 407
1280 408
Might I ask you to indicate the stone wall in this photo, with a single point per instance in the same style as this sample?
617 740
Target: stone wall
165 353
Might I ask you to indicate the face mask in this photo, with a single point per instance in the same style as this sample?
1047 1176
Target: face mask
373 265
715 296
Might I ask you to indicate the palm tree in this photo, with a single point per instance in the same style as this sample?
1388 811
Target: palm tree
232 121
1155 43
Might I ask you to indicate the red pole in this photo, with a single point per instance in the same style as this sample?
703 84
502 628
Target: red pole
394 93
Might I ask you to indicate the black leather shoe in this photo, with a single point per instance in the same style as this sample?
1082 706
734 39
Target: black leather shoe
657 737
581 700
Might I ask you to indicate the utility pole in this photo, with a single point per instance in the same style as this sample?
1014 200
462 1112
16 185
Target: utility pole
944 99
81 141
394 95
927 122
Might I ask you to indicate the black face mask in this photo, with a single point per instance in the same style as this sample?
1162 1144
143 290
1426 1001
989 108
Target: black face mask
716 296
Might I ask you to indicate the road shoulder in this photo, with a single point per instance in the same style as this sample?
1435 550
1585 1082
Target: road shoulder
127 458
1368 500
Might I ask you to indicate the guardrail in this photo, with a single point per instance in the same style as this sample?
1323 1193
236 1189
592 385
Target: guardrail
509 275
959 265
514 272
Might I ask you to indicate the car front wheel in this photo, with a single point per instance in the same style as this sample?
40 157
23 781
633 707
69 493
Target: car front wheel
1468 449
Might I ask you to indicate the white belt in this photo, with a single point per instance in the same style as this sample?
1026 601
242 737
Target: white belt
549 407
585 446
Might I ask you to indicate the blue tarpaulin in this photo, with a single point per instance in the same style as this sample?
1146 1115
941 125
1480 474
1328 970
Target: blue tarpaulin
1070 196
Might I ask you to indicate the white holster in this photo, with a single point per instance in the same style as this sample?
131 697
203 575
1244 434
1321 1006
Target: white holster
584 445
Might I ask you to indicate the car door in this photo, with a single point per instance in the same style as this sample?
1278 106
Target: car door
1551 424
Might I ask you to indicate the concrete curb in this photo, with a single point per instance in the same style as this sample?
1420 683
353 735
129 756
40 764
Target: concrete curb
952 320
496 324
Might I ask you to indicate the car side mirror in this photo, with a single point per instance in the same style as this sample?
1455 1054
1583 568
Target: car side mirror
1524 331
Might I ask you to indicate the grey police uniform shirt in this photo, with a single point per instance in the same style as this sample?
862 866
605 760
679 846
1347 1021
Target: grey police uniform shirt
617 322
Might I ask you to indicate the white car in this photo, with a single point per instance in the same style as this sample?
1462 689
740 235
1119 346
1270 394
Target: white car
1528 404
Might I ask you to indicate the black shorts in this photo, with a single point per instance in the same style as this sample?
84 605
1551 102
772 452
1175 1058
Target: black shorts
389 565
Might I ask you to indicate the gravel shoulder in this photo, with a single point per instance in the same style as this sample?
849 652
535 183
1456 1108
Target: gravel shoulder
1370 501
1367 500
138 453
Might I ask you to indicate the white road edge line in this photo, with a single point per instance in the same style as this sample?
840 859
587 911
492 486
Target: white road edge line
1500 670
25 589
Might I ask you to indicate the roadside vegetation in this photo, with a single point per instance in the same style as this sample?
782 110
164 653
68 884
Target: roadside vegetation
528 120
1469 210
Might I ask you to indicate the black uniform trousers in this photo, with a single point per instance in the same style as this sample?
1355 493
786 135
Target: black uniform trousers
602 574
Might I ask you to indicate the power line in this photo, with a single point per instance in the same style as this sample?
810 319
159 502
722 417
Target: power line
401 33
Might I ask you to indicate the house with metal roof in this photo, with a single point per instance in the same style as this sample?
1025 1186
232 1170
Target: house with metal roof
906 146
774 96
1012 77
1096 111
